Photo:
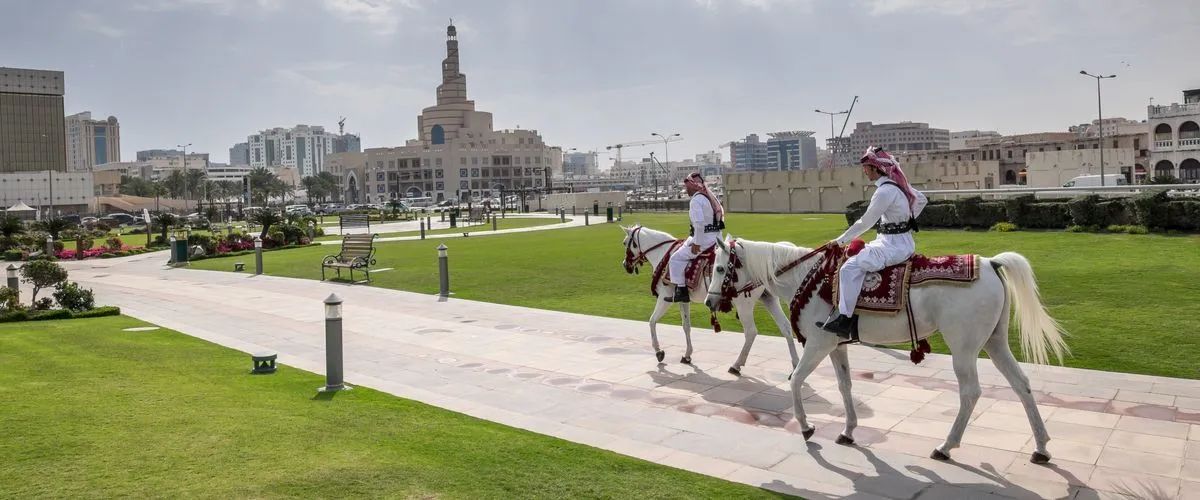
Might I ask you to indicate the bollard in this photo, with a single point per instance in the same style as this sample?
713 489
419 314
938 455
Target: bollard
333 345
572 211
585 218
172 247
258 255
620 210
443 271
443 212
422 229
49 245
493 223
79 245
13 283
429 223
312 231
562 216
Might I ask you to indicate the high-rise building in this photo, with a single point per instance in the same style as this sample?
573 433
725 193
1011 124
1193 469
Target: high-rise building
580 164
792 150
32 130
303 147
239 154
92 142
347 143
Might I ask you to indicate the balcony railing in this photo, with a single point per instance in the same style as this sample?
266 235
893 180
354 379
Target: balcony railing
1163 144
1189 142
1174 110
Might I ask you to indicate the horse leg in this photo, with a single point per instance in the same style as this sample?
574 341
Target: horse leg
1002 356
771 303
660 309
685 314
814 352
841 365
968 394
745 309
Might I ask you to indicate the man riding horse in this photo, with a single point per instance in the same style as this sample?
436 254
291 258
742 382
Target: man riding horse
895 207
707 219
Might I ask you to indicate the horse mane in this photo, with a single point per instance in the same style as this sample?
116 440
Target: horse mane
761 259
654 232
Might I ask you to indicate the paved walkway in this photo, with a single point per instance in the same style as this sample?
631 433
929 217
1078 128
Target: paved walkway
594 380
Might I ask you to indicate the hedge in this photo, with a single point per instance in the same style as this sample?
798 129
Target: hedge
31 315
1152 209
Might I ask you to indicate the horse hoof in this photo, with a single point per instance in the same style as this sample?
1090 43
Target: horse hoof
660 355
938 455
842 439
808 434
1040 458
687 360
735 371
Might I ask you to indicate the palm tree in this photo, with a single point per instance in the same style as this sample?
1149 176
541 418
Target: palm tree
11 225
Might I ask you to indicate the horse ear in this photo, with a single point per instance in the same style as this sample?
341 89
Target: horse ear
721 243
623 228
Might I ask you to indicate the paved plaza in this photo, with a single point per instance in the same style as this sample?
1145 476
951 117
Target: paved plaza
594 380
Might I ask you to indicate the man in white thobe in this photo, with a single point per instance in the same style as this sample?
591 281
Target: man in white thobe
895 207
706 217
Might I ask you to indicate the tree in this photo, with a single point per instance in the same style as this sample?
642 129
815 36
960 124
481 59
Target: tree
1164 179
11 225
54 226
164 221
260 180
265 218
42 274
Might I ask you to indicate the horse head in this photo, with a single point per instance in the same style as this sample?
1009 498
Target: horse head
727 282
639 242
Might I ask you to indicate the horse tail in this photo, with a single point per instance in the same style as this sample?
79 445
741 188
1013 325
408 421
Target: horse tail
1040 333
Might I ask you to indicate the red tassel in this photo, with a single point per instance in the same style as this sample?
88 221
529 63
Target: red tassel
923 345
855 246
916 356
716 324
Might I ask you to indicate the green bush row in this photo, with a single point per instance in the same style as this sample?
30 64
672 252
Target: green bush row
34 315
1152 210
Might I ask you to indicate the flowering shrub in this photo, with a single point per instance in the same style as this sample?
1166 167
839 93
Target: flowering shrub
95 252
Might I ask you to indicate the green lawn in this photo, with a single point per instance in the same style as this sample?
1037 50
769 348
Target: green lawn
1129 301
501 224
92 411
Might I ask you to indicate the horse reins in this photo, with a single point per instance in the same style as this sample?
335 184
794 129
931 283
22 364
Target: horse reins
632 262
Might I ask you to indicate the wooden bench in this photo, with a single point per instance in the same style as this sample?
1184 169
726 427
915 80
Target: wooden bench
358 252
353 221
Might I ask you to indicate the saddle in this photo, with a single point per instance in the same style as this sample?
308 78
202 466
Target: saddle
884 292
695 272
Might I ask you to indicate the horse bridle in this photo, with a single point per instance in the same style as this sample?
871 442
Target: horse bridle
728 292
633 262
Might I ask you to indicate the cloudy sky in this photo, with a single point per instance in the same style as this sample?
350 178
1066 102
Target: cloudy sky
589 73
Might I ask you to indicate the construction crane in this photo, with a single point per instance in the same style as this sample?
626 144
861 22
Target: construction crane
632 144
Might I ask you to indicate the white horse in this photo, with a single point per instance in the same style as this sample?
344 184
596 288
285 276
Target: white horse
970 316
645 245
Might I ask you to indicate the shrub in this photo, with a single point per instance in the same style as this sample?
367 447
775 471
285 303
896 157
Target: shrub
975 212
43 304
1149 208
1183 215
1090 210
938 214
1127 228
73 297
1004 227
98 312
9 299
15 254
1047 216
42 274
114 243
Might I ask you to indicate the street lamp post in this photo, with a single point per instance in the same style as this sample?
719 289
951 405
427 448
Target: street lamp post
1100 118
832 154
185 171
666 155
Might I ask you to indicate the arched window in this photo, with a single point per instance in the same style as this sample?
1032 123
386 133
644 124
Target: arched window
437 135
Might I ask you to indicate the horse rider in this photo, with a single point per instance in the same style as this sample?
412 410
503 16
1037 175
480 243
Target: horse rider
895 207
707 219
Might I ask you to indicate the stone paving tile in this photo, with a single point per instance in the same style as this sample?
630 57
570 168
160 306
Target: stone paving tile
594 381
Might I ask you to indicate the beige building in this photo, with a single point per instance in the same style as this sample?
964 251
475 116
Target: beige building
1055 168
903 136
831 190
1175 149
91 142
457 153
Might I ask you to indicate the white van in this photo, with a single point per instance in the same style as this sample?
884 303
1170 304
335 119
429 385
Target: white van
1094 181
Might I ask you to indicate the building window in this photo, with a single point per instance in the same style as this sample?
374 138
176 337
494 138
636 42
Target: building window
391 164
474 160
437 135
462 172
474 172
462 160
379 176
437 162
1010 154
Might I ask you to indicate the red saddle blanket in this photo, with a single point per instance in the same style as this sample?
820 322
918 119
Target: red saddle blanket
694 273
885 291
